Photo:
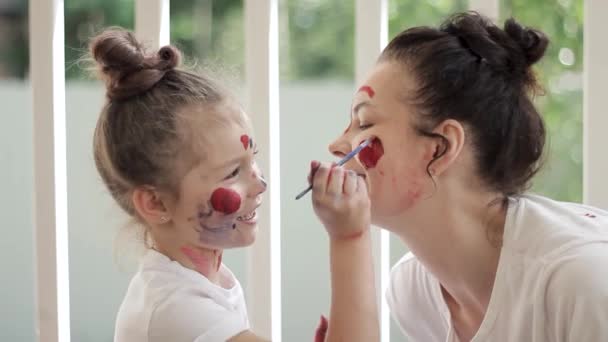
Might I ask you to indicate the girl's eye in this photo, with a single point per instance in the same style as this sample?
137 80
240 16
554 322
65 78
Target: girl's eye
365 126
234 173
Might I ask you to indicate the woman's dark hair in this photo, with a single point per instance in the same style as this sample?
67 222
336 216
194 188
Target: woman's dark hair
474 72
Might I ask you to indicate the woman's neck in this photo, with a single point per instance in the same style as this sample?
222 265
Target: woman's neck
453 234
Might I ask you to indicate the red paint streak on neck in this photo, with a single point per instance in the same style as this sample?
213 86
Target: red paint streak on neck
370 155
368 90
203 264
219 259
226 201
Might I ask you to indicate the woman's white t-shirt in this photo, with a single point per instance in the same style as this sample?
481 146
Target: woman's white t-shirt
551 282
168 302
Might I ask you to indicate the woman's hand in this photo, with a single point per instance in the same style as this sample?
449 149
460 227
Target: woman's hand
340 200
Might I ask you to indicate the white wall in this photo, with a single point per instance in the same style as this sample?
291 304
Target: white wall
16 244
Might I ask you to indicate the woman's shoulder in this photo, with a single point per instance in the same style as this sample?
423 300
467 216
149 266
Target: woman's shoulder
545 227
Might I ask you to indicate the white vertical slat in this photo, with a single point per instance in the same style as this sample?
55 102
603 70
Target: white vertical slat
152 22
262 74
50 177
595 108
371 34
489 8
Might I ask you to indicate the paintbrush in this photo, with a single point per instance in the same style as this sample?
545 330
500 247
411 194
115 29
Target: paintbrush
340 163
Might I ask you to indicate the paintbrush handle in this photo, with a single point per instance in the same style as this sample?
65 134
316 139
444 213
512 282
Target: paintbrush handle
342 161
304 192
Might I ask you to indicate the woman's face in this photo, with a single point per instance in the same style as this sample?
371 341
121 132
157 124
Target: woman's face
395 164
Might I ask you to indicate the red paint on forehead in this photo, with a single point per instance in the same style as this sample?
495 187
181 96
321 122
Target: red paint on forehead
368 90
370 155
226 201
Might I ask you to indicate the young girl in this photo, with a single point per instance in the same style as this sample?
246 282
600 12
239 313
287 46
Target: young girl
177 154
456 142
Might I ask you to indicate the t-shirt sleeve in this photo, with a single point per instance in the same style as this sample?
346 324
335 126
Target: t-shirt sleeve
198 319
577 296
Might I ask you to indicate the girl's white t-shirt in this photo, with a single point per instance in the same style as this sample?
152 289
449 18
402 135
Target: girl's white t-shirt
551 282
168 302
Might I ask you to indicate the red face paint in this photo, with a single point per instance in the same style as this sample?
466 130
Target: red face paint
245 141
368 90
225 201
370 155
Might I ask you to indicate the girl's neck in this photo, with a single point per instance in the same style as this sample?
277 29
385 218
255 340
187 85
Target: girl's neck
205 261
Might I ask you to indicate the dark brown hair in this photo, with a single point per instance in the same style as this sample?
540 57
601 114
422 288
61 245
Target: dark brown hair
144 132
472 71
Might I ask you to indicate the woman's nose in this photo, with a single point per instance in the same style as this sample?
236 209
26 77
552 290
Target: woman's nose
339 147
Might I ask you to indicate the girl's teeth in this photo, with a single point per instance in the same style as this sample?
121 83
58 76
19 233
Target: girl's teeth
246 217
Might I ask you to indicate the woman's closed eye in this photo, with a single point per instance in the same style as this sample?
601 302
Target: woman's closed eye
363 126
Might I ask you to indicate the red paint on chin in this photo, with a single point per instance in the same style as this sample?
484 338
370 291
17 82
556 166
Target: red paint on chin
245 141
368 90
225 201
370 155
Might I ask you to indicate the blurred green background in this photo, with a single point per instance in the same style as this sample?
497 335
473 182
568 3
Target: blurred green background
317 43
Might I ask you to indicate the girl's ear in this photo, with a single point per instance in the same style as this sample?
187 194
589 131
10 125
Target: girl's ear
149 206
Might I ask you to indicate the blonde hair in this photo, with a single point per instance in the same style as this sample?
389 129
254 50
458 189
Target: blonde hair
144 134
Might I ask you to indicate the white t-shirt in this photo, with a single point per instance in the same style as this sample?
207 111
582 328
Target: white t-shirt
551 282
167 302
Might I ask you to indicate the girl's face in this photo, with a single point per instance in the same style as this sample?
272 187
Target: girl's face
395 163
218 198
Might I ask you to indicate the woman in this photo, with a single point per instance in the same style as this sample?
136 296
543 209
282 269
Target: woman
456 143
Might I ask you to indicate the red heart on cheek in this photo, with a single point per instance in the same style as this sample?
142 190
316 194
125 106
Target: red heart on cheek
245 140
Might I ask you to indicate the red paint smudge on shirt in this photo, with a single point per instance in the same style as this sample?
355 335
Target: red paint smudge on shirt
370 155
226 201
245 141
368 90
